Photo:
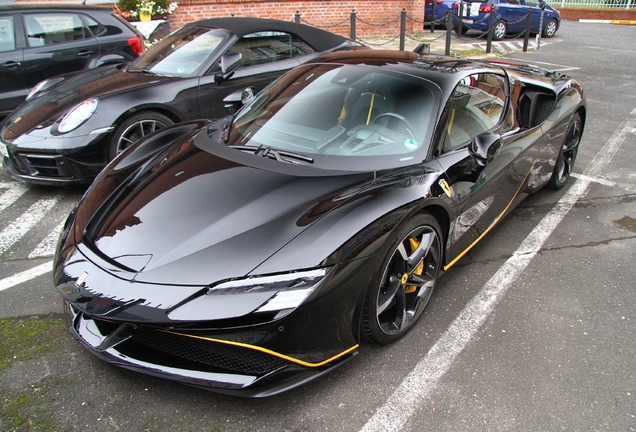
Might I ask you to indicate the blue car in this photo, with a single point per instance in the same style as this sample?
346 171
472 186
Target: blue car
510 17
438 12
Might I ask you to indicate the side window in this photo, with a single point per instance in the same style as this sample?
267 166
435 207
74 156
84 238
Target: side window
94 27
532 3
513 2
266 47
476 107
7 35
53 28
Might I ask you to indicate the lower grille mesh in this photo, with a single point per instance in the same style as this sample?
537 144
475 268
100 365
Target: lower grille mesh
227 357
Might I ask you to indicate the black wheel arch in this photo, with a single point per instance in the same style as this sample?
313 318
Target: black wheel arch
442 216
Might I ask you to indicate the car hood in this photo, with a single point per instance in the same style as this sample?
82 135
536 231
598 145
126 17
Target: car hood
44 109
192 217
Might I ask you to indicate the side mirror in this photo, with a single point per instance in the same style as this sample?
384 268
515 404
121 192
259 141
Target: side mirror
229 63
234 101
484 149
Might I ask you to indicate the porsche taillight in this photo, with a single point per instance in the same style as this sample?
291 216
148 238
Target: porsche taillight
137 45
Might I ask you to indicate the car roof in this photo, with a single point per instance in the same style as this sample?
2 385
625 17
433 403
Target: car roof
319 39
52 6
442 70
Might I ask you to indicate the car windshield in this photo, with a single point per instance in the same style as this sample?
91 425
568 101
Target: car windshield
342 117
181 53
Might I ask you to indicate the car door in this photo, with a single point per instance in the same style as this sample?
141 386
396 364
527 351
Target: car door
514 12
57 43
482 188
536 9
265 57
13 86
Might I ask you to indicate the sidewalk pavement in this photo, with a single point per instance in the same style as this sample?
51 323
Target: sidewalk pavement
466 46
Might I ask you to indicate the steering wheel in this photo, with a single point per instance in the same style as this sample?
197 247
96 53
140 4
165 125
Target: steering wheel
400 117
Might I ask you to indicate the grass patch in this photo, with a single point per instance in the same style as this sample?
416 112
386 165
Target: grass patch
25 412
28 338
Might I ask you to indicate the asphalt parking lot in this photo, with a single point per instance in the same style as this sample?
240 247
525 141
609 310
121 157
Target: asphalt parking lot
533 330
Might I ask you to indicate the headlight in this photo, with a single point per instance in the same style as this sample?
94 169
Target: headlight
78 115
279 294
289 290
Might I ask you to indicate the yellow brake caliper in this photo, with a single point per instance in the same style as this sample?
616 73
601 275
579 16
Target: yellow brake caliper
408 289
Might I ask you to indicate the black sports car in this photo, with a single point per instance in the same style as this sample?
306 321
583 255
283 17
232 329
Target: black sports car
72 125
39 41
251 254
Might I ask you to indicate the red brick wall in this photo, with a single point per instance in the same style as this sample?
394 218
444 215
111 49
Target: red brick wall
333 15
375 18
597 13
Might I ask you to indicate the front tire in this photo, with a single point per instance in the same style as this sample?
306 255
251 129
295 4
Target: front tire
550 28
567 153
134 128
399 293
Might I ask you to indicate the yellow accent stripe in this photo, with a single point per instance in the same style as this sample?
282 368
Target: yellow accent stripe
343 113
370 108
492 225
450 122
266 351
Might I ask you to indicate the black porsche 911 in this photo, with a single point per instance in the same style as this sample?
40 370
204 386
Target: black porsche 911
251 254
70 126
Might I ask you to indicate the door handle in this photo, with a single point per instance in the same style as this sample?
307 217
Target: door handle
85 53
11 64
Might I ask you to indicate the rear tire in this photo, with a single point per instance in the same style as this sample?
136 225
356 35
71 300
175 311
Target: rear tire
409 271
499 31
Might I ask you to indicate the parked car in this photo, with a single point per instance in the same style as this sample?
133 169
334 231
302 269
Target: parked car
251 254
73 125
41 41
510 17
438 12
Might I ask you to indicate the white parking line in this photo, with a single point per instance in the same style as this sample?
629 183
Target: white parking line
18 228
47 246
16 190
410 394
25 276
551 66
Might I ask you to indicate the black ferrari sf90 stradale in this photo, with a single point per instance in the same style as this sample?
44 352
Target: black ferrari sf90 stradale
251 254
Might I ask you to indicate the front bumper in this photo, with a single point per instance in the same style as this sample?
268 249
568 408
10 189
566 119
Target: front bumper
54 161
220 365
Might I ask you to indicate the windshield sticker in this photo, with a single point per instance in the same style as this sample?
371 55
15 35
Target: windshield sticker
411 144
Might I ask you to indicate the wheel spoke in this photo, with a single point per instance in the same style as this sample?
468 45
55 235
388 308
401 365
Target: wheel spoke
401 314
386 299
414 260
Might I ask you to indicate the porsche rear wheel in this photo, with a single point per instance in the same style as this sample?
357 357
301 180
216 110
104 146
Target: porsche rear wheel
134 128
567 153
409 273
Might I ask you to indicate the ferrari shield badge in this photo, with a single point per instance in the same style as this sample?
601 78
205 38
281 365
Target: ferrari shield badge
446 187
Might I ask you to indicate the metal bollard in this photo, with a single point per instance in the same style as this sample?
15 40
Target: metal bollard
491 29
353 24
449 31
526 36
402 28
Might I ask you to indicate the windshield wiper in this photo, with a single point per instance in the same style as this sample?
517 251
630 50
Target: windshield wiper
279 155
146 72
